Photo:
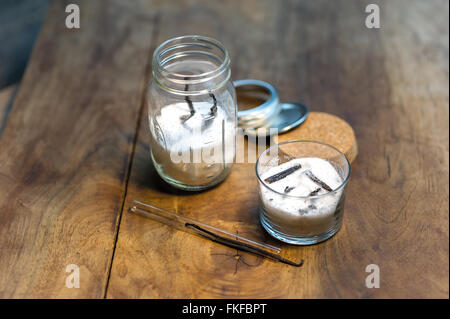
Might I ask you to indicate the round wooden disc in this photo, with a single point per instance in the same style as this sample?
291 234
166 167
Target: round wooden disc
327 128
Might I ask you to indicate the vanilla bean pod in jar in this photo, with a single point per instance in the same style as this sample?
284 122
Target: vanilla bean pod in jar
192 112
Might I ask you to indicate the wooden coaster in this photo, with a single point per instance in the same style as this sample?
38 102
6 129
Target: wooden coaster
327 128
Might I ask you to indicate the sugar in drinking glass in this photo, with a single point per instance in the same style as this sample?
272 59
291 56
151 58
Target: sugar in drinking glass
302 187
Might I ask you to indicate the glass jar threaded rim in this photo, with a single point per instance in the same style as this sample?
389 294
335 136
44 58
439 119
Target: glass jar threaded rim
194 47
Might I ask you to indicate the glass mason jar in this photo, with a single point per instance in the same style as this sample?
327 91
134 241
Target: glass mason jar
192 112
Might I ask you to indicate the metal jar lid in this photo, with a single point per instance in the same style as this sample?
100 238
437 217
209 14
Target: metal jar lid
270 114
261 114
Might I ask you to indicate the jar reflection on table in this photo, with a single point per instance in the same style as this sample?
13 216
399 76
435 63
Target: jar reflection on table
192 112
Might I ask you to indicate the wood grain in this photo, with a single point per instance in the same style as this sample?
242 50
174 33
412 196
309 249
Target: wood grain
66 147
390 84
7 96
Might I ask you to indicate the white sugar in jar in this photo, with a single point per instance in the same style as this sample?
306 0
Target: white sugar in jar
192 153
192 113
302 191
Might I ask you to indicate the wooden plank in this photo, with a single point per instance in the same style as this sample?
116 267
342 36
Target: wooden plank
6 102
66 147
6 95
391 84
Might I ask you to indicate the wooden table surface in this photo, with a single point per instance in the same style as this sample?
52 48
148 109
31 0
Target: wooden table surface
74 151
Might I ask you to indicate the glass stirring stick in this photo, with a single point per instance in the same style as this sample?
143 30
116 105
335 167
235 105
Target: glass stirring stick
209 232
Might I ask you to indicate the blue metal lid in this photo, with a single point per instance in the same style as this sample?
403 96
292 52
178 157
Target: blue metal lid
271 117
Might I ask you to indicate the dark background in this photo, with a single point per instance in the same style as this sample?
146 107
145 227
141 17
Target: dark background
20 22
